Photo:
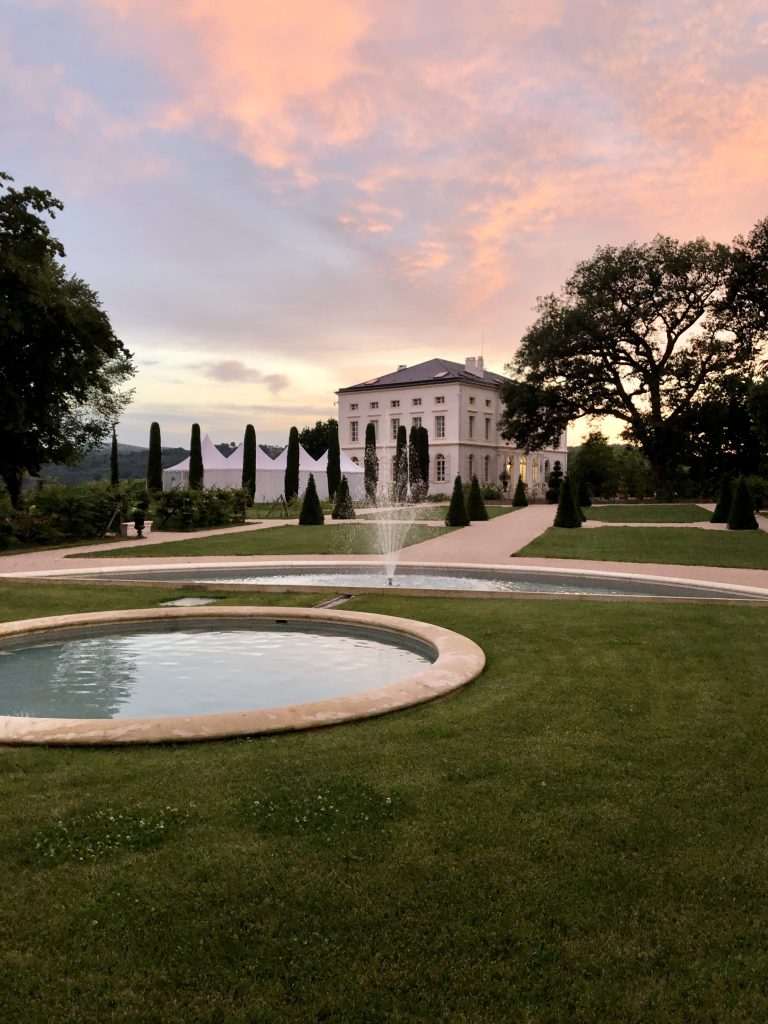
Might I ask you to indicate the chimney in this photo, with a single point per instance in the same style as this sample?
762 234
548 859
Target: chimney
474 365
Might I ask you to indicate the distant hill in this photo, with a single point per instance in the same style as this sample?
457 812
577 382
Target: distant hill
132 464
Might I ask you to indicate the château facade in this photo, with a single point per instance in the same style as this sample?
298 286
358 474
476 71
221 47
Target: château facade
460 406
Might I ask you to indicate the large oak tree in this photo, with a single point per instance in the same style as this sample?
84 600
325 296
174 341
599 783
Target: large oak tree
61 365
642 333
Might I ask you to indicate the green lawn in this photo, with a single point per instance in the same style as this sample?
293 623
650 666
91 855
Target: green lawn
648 514
339 539
579 836
743 549
435 512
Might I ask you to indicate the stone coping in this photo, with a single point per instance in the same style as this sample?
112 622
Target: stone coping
459 660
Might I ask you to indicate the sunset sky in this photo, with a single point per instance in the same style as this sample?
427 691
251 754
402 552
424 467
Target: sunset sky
277 199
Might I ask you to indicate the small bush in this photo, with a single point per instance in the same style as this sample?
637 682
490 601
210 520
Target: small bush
311 510
457 510
519 500
568 515
742 516
724 501
476 509
491 493
344 508
758 488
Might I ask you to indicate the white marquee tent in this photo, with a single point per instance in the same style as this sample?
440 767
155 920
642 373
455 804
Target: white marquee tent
355 474
218 470
307 465
270 478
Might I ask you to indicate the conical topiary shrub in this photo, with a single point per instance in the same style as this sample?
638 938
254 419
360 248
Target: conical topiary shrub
724 501
311 511
476 509
742 516
553 484
519 500
457 510
343 509
568 515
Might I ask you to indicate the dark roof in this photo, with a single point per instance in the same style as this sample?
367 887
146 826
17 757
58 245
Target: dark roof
434 371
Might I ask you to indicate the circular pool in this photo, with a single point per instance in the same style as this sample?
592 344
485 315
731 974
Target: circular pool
496 579
157 675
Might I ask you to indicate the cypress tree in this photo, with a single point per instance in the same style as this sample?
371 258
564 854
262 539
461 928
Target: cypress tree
457 510
568 515
414 466
291 483
311 511
195 459
371 464
401 466
114 467
334 462
344 508
724 501
742 515
553 484
155 460
423 454
249 463
476 509
519 500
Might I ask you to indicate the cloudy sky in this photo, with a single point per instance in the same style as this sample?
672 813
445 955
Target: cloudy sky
277 198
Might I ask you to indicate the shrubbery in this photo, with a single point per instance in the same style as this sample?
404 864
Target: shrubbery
311 509
457 510
519 500
741 516
344 508
476 509
569 514
183 509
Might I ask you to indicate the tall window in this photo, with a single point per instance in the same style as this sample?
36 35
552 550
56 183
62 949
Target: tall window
471 466
440 469
471 426
353 431
487 430
486 468
535 471
439 426
395 428
417 421
523 469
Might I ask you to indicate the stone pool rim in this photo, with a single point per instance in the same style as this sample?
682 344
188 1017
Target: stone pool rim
459 661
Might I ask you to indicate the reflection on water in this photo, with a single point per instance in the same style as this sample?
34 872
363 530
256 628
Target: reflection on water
197 671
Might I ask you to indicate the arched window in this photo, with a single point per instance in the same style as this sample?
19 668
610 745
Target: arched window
440 469
486 468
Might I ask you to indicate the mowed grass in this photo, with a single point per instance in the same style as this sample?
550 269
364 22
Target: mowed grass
579 835
743 549
648 514
434 512
337 539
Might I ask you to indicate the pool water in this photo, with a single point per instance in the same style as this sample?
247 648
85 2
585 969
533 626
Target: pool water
146 670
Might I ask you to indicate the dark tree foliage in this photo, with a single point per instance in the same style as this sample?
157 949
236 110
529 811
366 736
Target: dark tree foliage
249 463
114 463
317 440
553 484
334 461
423 456
758 411
724 500
414 468
291 482
457 510
519 499
742 516
371 464
640 333
747 296
581 490
195 459
61 366
344 507
311 511
594 465
476 509
155 459
401 465
568 515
